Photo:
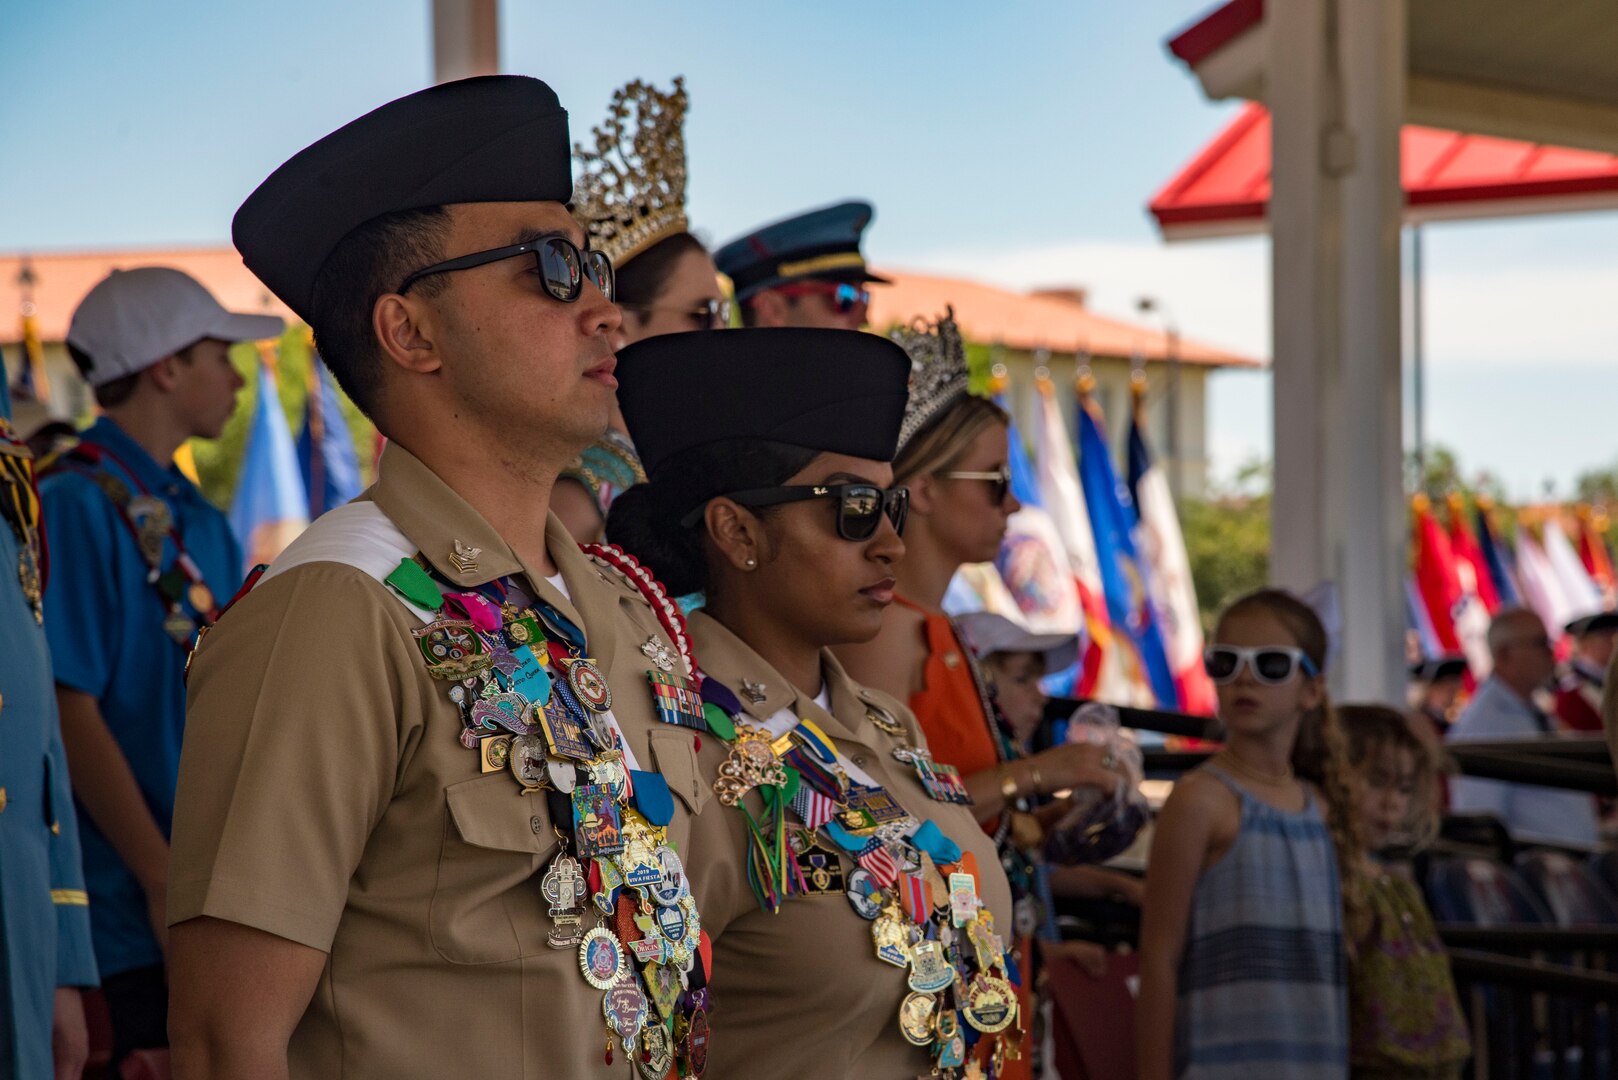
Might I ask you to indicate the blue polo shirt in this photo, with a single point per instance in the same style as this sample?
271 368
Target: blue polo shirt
104 621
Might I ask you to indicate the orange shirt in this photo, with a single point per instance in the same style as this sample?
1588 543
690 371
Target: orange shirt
948 705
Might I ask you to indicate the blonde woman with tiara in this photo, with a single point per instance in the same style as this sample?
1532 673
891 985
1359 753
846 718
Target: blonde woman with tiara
953 456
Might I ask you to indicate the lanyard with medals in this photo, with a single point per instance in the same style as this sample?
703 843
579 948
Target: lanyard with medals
915 885
149 521
19 503
533 703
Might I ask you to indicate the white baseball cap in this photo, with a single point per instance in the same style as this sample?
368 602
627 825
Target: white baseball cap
134 318
988 633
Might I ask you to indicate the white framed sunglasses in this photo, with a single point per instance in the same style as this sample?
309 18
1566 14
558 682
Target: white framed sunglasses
1271 665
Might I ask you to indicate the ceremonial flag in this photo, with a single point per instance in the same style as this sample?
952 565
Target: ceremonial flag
271 506
1496 556
326 458
1582 593
1416 613
1542 589
1126 582
1103 673
1593 551
34 382
1469 562
1174 594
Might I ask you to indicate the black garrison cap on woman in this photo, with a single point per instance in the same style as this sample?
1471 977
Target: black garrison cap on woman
496 138
835 391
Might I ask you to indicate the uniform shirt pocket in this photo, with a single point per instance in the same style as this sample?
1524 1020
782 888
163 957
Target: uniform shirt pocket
486 909
674 751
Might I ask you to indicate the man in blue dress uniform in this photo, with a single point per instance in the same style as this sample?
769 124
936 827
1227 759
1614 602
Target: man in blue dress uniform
139 561
45 952
804 271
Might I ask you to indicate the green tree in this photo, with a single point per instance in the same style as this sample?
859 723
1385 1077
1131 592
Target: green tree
1227 542
219 461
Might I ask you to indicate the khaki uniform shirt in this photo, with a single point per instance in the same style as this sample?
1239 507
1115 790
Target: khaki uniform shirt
325 797
800 993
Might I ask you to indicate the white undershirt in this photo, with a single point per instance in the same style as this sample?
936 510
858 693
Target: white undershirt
560 586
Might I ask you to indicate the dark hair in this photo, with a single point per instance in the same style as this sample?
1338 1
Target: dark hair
644 278
1371 729
645 520
366 264
110 395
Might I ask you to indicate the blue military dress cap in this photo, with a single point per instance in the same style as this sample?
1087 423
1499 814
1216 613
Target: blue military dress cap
820 245
495 138
834 391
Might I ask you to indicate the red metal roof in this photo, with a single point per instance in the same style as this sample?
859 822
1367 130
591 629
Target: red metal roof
1209 34
1226 187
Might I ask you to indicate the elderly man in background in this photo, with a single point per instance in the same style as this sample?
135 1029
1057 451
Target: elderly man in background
1504 708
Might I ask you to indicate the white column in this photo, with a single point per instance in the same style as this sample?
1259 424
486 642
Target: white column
466 39
1304 227
1373 544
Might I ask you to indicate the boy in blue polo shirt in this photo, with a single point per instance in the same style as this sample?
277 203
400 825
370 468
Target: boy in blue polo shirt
139 561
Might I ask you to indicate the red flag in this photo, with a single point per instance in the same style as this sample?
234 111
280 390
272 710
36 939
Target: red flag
1592 546
1436 579
1469 555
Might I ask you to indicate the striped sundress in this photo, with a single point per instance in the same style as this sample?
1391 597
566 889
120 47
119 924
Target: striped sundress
1263 978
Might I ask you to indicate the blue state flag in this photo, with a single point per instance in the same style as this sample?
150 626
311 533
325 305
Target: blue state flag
1024 481
326 459
271 506
1123 572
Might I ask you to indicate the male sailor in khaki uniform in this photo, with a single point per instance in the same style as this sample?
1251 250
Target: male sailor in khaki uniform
440 763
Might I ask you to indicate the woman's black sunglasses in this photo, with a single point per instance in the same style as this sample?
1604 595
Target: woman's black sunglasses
562 266
859 506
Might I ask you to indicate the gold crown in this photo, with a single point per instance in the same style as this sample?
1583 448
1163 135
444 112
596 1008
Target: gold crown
631 189
938 374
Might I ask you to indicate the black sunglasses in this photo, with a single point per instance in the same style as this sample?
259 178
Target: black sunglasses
859 506
562 265
999 481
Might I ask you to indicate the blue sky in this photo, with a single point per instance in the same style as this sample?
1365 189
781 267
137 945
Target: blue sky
1017 143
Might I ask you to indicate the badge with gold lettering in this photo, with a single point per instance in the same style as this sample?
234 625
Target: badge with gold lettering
991 1004
929 971
453 650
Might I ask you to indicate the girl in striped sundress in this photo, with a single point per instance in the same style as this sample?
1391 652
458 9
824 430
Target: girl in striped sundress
1243 969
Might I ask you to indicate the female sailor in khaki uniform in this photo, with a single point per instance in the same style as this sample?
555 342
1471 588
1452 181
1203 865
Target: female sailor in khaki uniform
851 897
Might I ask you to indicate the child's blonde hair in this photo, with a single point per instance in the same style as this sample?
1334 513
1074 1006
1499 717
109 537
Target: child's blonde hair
1373 729
1320 752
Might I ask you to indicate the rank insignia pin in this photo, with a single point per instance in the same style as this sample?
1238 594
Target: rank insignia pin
754 691
464 557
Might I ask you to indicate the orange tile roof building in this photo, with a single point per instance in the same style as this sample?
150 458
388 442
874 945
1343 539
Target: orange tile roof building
1052 327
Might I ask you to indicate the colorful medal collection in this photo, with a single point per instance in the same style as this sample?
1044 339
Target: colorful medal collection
913 884
19 505
534 704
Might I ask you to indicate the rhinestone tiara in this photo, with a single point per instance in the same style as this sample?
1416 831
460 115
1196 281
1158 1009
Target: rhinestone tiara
630 192
937 370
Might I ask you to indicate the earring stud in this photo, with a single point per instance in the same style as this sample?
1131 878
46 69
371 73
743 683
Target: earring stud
750 563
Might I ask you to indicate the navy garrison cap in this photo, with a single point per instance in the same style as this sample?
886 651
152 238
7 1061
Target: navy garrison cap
819 245
1600 622
496 138
834 391
1434 668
